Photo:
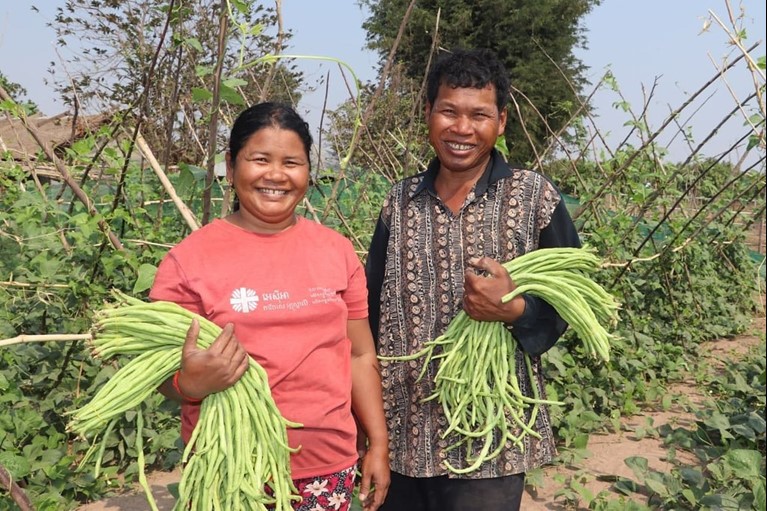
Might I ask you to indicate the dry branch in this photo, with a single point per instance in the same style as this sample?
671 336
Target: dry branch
626 165
17 493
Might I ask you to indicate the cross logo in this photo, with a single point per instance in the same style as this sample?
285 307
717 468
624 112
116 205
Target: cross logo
244 300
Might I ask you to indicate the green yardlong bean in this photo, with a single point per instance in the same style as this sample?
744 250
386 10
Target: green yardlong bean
238 456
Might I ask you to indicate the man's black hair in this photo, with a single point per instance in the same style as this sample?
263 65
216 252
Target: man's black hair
469 68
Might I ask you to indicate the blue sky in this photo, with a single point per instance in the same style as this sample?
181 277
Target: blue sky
640 41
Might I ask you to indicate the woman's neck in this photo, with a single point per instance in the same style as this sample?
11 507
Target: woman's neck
258 226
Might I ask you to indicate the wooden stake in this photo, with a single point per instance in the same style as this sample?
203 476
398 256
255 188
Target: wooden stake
25 338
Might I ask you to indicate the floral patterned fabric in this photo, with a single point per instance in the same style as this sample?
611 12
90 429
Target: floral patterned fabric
326 493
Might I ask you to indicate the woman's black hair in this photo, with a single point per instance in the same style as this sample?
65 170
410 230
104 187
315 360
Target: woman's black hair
265 115
474 68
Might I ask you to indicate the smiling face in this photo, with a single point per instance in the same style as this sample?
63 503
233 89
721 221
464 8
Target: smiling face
270 175
464 123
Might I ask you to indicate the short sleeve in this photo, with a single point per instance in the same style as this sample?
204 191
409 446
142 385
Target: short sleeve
356 294
170 284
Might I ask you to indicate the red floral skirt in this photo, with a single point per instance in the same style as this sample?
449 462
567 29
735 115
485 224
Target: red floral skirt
331 492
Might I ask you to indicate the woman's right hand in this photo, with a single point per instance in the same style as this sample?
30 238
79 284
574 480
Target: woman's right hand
205 371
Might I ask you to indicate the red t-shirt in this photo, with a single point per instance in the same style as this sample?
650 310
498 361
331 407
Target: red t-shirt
289 296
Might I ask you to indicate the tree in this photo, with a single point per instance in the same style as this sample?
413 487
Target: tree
535 40
157 61
16 91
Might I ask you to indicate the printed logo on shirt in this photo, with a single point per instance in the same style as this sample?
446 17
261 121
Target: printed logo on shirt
247 300
244 300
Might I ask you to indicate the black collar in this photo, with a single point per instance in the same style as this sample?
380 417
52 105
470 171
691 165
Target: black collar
496 169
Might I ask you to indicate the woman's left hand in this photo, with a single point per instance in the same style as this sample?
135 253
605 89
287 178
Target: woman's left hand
375 478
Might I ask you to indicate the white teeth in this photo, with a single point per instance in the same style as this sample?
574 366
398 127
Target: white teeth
459 147
269 191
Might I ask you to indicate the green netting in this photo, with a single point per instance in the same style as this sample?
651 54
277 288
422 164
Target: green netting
572 203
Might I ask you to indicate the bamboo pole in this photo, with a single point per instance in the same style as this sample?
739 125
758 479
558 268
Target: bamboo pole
25 338
12 283
183 209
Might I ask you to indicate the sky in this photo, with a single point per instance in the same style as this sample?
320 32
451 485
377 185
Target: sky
645 42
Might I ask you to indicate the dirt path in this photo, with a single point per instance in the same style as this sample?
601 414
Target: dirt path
607 452
604 461
603 464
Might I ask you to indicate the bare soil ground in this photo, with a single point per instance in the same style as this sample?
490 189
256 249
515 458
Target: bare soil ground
603 464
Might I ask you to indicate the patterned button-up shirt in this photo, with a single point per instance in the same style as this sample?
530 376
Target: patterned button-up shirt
415 269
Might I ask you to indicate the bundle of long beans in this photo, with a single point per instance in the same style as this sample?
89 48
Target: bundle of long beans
476 382
238 456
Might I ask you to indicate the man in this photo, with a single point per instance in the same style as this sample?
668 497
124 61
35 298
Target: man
437 249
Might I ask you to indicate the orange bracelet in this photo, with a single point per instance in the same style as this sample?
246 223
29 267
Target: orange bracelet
191 400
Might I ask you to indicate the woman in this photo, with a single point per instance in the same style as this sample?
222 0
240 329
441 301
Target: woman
294 292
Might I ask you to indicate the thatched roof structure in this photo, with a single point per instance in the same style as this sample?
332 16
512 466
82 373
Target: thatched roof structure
58 131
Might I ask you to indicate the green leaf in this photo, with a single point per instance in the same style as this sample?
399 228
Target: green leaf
760 496
692 476
185 181
199 94
656 486
582 490
230 95
690 496
194 43
83 146
49 269
198 174
146 273
201 71
241 6
637 464
17 466
256 29
744 462
756 422
500 145
744 431
234 82
580 441
667 401
720 502
718 421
